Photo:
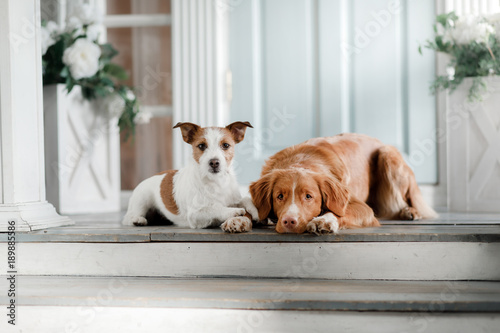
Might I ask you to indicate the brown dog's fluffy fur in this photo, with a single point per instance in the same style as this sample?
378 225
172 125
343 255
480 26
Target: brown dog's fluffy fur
353 176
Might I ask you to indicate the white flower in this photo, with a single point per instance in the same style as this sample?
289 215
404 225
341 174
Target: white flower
74 24
469 29
52 27
143 117
93 31
130 95
82 58
86 13
494 20
451 72
114 104
47 40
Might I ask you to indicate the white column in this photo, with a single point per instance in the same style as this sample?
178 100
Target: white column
22 177
200 66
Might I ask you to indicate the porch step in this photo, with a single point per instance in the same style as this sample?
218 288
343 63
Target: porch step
98 245
321 260
404 251
92 304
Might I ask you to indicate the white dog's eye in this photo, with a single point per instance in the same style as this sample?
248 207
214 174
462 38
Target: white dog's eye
202 146
280 197
226 145
308 196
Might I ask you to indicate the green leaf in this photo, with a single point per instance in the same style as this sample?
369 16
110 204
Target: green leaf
70 83
444 19
116 71
107 52
107 82
65 72
101 92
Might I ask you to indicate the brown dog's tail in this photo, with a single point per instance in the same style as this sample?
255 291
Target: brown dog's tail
416 200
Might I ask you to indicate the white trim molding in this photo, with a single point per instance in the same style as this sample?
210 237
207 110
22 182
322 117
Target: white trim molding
200 66
22 183
137 20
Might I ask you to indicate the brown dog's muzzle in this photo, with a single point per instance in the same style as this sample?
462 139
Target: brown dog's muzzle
290 225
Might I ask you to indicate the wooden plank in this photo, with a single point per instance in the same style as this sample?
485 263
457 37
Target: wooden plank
366 260
450 227
264 294
383 234
404 232
90 318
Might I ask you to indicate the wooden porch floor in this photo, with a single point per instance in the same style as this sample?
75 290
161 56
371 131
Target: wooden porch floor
99 228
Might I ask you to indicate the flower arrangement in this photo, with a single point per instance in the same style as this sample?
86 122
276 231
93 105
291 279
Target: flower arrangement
474 45
74 56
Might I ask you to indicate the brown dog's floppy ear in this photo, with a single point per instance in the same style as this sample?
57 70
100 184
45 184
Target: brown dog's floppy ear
188 131
238 129
335 195
261 192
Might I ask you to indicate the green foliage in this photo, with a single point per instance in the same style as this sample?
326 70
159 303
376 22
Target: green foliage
105 82
473 59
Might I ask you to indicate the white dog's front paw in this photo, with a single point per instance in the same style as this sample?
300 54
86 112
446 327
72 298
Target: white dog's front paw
324 224
134 220
247 203
237 224
235 212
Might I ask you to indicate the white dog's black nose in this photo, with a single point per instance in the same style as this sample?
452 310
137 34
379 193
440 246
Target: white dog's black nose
214 164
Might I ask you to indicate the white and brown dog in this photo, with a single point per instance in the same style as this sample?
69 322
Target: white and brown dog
202 194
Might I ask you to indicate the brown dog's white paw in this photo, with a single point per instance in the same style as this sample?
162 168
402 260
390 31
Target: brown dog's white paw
237 224
324 224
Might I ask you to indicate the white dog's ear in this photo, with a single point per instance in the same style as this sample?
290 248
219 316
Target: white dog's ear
188 130
238 129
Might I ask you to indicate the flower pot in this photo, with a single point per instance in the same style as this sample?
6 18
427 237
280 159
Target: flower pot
82 153
473 131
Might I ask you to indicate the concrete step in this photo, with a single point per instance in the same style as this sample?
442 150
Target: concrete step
92 304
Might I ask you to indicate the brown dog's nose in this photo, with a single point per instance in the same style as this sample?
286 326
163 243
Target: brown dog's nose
289 222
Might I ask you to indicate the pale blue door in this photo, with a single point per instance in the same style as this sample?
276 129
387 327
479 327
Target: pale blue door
308 68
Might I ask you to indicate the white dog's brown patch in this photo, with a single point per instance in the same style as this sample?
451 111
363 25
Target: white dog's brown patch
167 193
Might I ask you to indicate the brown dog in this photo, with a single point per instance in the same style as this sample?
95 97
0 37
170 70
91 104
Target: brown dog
343 181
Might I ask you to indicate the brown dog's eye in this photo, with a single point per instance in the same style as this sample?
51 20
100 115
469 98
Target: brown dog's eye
280 197
202 146
308 196
226 145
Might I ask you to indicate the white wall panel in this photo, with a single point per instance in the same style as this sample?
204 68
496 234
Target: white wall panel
199 44
336 66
